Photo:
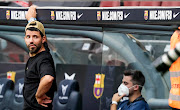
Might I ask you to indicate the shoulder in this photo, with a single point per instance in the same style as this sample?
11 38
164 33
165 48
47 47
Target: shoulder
140 105
45 55
123 103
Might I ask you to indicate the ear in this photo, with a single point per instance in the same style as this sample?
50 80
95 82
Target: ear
44 39
136 87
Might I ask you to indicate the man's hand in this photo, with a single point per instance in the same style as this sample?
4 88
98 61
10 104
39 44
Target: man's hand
44 86
43 100
117 98
31 12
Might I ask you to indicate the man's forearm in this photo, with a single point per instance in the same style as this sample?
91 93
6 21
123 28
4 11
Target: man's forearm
31 12
44 85
113 107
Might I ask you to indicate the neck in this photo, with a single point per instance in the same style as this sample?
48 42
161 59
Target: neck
134 96
40 50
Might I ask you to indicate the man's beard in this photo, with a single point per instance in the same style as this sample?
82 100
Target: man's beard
34 50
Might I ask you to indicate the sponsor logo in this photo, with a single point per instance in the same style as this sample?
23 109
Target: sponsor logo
126 15
20 88
69 77
7 14
63 97
79 15
66 15
1 87
98 85
112 15
20 91
160 14
18 15
175 15
18 96
146 14
64 88
98 15
52 15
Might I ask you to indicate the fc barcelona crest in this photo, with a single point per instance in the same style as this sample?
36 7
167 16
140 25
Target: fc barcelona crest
98 85
146 14
98 15
7 14
52 15
11 75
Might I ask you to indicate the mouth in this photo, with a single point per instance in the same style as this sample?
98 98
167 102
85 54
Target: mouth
32 45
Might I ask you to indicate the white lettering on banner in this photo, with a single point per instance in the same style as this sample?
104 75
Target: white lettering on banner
18 15
160 14
112 15
65 15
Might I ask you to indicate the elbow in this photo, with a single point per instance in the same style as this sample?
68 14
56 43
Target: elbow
49 78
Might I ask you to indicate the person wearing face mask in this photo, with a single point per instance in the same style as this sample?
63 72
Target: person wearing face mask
131 86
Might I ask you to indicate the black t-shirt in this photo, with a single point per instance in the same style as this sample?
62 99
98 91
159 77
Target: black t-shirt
38 66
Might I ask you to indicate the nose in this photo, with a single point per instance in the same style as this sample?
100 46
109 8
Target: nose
31 40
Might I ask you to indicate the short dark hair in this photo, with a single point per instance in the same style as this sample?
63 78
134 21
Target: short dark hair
35 29
137 77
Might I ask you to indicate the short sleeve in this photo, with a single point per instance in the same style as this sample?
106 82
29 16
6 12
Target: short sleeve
46 68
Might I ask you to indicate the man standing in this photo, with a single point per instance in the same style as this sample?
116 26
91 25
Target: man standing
40 78
174 95
131 86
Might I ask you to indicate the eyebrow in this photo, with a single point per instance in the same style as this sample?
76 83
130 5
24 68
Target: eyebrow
125 82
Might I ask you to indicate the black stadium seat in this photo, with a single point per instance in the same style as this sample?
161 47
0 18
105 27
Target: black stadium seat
6 90
17 97
68 96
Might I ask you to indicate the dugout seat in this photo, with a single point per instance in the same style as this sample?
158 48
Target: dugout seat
68 96
6 90
17 97
110 3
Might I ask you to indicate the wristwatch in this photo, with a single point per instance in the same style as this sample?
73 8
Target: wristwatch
32 19
114 102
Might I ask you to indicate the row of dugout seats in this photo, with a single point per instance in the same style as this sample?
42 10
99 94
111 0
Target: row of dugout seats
138 3
67 97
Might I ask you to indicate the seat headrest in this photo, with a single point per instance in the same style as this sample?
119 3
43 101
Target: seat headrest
5 85
19 90
65 89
